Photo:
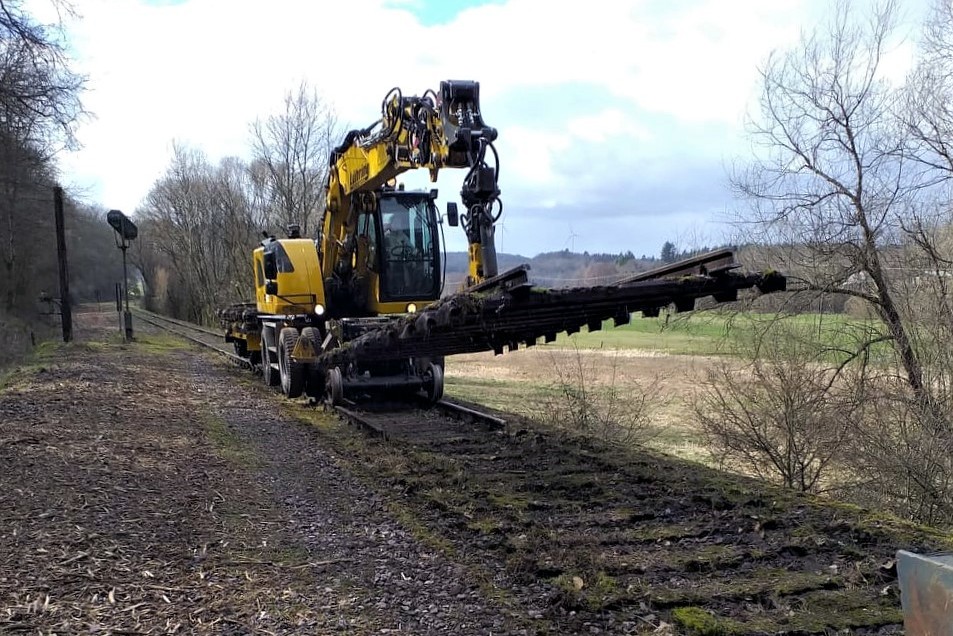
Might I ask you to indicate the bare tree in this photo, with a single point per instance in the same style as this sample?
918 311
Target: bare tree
830 188
927 114
204 220
38 88
39 107
292 150
235 196
25 186
851 190
174 216
896 459
782 414
199 227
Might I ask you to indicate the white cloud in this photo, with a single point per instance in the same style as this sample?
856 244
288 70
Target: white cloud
527 155
670 83
608 124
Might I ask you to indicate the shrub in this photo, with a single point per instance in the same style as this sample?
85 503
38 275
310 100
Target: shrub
599 405
782 415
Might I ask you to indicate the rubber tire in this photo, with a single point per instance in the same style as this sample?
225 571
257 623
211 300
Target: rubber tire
313 334
335 387
268 373
433 385
314 378
290 372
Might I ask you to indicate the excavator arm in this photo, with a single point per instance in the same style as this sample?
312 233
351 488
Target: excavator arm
431 132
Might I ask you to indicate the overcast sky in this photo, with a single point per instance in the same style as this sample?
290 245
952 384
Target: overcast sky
616 119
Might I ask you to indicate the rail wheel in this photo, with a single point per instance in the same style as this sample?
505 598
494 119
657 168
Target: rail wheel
268 372
291 372
241 348
433 383
334 386
314 380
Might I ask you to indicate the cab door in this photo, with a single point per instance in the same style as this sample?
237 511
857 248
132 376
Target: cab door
409 254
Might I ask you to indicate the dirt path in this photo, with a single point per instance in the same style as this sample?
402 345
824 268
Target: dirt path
153 489
146 490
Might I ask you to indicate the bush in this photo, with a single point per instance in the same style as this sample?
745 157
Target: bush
782 415
16 339
597 405
900 452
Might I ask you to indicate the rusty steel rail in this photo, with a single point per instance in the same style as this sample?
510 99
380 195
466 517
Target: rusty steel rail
176 321
409 421
359 419
715 262
460 411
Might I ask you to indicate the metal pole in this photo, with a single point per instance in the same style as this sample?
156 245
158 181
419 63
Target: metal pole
119 307
65 309
127 231
127 317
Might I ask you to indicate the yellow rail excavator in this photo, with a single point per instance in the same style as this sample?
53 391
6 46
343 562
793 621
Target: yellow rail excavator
358 310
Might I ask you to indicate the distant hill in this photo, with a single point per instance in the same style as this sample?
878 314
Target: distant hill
559 269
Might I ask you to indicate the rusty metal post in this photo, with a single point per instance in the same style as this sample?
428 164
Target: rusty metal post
66 311
119 307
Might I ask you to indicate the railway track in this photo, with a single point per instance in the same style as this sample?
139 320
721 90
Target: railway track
197 334
397 420
626 542
602 540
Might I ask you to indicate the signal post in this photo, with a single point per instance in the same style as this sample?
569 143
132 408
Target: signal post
126 231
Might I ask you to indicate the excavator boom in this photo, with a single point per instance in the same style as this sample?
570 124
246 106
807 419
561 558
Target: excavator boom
431 132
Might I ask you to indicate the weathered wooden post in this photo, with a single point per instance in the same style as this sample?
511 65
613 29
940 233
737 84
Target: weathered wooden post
66 311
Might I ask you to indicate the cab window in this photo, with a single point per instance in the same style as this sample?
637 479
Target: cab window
408 258
368 228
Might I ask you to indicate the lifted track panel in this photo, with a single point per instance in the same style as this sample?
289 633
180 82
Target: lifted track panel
469 323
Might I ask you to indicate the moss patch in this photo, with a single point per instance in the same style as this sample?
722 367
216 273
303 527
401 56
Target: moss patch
702 623
160 343
509 500
227 444
593 592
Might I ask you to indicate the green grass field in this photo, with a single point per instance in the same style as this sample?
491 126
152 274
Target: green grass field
723 333
664 359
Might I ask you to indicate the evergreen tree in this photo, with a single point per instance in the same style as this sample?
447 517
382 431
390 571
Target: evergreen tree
669 254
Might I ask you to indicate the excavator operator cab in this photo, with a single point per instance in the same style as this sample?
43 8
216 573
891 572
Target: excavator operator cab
408 251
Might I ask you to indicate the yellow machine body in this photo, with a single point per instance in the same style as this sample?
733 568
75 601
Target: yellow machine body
299 279
378 254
